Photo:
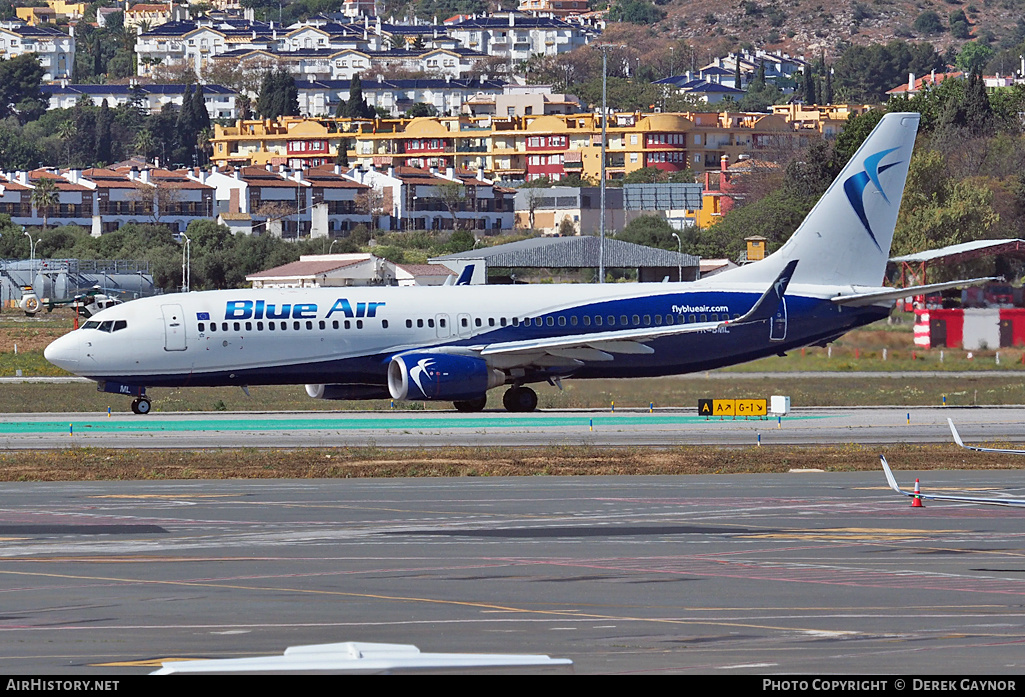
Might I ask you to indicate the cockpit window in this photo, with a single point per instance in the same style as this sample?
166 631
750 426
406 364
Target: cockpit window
111 325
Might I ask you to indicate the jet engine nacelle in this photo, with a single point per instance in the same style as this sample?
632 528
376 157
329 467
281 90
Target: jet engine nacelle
441 376
347 391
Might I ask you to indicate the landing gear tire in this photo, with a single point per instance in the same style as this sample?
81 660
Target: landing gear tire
471 404
141 405
520 399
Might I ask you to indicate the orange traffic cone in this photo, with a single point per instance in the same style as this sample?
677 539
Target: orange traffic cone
916 500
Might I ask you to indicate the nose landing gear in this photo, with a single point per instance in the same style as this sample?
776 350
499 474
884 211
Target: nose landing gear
141 403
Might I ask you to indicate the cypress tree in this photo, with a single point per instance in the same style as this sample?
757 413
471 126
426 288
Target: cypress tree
201 117
810 96
103 133
978 113
183 124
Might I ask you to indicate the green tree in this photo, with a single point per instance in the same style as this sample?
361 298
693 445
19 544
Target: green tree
939 210
960 28
356 107
928 23
973 57
20 88
102 144
866 73
635 12
279 95
650 230
854 133
421 109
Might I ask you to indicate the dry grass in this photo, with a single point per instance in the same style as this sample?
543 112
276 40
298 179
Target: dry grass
89 464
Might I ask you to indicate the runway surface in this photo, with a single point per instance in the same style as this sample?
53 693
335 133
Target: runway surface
404 428
808 573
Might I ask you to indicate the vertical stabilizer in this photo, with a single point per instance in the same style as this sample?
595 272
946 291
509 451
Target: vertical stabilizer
845 239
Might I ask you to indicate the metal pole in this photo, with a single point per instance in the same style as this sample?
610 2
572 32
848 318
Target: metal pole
601 219
186 264
31 256
604 48
679 260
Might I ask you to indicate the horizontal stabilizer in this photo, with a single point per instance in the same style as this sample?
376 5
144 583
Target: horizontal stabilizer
871 297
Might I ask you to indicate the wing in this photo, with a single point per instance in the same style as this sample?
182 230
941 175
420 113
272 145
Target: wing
859 299
942 497
599 346
961 443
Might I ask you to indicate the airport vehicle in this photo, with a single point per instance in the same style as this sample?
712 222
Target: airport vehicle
945 497
454 343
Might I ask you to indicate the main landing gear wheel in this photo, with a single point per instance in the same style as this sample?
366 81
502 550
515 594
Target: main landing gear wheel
471 404
141 405
520 399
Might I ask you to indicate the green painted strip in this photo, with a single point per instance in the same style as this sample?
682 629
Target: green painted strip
156 424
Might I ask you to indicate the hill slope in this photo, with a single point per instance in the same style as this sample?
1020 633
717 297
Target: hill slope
810 27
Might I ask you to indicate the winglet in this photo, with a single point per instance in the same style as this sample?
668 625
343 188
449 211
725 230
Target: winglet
465 276
767 305
957 436
889 476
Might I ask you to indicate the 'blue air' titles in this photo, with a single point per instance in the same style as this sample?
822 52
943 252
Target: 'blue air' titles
260 309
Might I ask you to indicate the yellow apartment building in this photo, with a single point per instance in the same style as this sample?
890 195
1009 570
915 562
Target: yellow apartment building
520 148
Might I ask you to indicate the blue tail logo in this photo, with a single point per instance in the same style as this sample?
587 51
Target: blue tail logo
855 186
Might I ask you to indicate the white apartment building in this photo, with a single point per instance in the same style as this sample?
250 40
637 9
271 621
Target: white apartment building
54 49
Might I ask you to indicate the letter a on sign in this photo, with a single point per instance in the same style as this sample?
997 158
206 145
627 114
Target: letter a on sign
704 407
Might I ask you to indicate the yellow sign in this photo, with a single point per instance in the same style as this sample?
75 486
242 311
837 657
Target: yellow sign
752 407
733 407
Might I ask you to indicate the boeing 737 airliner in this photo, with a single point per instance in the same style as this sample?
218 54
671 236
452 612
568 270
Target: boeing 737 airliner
454 343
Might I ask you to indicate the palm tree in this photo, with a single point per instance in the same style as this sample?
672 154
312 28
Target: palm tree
44 197
144 142
66 131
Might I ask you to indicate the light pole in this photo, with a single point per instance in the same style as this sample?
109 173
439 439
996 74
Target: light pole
604 48
679 260
186 263
31 255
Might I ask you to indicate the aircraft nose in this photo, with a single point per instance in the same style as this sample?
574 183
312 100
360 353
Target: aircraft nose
64 352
